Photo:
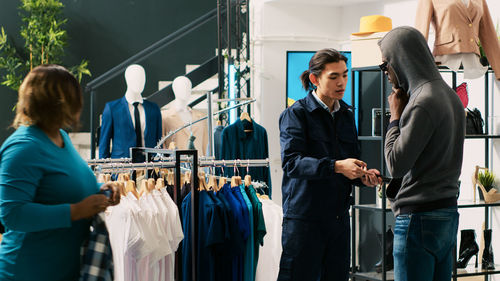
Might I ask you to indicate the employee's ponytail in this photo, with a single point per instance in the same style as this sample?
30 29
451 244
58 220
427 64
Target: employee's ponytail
306 83
317 64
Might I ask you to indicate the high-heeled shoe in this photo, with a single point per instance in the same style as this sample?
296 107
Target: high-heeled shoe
487 260
491 195
468 247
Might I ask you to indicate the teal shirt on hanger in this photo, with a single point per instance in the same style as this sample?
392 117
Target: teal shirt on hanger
38 182
248 266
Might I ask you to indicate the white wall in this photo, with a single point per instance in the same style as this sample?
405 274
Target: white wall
278 26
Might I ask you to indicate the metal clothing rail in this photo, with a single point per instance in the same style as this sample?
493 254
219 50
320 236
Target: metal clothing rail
93 162
170 163
163 139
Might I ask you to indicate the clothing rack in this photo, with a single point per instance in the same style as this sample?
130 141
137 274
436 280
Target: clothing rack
170 163
178 157
164 138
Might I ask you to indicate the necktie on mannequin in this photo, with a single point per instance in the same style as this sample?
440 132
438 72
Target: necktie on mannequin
138 133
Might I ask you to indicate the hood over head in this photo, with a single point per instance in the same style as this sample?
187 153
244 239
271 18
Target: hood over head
406 51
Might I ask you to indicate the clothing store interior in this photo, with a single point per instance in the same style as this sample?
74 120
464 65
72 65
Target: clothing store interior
249 140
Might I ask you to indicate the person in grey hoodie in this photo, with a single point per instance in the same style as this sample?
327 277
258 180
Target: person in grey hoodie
424 152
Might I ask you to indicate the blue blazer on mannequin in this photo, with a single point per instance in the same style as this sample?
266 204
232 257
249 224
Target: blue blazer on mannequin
117 126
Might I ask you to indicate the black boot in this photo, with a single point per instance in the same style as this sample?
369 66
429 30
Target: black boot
487 261
468 247
389 258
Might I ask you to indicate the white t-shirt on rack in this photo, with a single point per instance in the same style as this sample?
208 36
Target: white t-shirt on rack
270 253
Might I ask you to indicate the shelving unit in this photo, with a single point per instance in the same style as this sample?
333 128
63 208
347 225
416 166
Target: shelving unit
389 275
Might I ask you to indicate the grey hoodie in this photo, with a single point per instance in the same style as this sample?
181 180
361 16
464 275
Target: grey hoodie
426 148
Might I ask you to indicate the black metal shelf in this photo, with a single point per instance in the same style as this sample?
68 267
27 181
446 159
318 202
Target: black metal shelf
369 138
372 276
472 271
371 207
482 136
461 272
461 204
477 204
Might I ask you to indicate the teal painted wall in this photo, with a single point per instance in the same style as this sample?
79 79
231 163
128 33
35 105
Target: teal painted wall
107 32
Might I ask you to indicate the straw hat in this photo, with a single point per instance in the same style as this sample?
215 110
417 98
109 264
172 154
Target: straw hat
372 24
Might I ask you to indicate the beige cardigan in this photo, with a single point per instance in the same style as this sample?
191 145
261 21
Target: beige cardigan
459 28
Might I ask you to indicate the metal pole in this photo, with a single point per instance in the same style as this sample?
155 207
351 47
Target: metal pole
228 26
178 202
248 49
210 120
238 50
194 210
92 127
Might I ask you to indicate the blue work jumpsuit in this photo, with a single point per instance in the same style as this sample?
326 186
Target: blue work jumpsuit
316 200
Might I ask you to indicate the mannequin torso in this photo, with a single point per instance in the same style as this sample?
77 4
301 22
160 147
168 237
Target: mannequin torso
182 90
180 114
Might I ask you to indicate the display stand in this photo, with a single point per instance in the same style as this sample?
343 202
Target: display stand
388 275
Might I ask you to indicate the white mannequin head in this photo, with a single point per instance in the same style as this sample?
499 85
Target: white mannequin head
182 91
135 77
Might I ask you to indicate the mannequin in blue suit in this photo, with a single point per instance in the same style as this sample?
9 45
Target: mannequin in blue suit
118 123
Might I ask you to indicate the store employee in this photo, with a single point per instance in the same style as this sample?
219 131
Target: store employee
319 151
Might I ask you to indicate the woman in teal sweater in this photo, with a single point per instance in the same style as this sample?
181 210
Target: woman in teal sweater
47 192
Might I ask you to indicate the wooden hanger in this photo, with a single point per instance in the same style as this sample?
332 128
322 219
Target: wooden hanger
248 180
121 188
245 116
235 181
130 187
101 178
150 185
160 183
212 183
143 187
222 182
170 177
202 184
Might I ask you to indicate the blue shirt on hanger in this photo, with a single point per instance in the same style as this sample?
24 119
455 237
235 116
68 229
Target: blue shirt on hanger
248 272
244 228
210 234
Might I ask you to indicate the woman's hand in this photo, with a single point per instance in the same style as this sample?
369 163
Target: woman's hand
89 206
350 167
371 178
114 198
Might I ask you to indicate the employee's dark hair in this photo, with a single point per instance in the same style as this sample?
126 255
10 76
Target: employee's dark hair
317 64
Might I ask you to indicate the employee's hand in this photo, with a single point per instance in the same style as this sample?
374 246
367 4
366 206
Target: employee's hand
350 167
397 103
114 198
371 178
89 206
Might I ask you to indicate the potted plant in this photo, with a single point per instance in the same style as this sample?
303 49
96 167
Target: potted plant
484 179
44 42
